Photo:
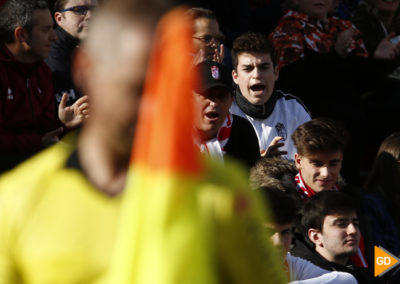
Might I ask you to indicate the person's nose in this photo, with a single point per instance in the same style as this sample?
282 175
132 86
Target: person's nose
212 102
276 239
256 73
89 14
324 172
352 229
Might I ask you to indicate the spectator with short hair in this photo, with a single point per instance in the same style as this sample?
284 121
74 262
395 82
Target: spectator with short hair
273 114
28 121
331 225
207 37
320 144
217 131
72 18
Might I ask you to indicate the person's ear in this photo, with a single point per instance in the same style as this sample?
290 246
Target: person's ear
297 161
315 236
58 16
235 76
20 34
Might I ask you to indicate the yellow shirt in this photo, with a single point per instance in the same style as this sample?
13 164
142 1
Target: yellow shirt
55 227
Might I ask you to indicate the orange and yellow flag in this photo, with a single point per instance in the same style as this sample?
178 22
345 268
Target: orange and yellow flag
185 219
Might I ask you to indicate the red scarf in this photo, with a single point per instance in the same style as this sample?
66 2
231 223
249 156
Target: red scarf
215 147
303 189
225 130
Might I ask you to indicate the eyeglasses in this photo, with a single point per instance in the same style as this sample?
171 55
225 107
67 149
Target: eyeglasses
79 10
208 39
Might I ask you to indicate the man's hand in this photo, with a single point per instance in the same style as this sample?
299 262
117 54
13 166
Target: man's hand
73 116
51 137
386 49
343 42
273 148
219 55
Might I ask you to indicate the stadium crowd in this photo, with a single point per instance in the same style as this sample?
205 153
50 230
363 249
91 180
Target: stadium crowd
302 94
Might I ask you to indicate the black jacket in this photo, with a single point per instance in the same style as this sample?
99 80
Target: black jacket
243 142
59 61
302 250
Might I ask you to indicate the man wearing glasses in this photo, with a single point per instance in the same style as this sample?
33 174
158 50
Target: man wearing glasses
72 18
207 37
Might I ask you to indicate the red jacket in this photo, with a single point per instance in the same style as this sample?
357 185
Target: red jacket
27 105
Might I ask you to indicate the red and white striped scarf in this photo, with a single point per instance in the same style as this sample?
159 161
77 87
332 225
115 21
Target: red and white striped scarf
303 189
215 147
306 192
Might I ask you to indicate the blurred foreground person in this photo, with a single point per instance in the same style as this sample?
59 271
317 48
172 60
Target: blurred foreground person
59 210
63 212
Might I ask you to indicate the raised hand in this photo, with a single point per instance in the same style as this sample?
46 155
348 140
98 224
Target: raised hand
343 42
273 149
387 49
73 116
219 54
